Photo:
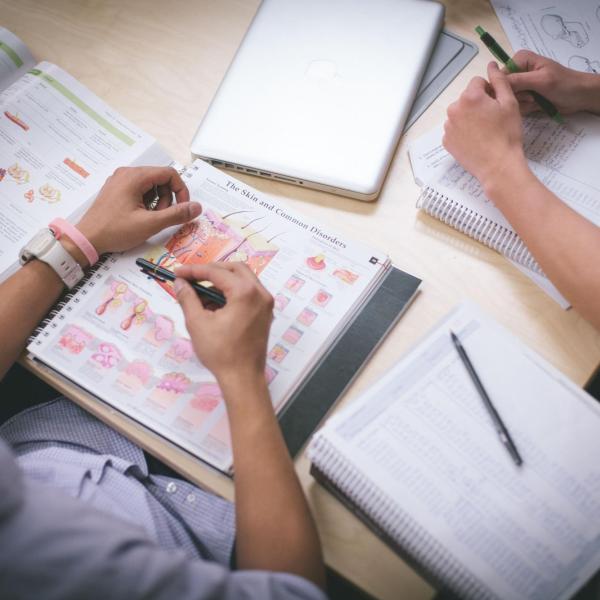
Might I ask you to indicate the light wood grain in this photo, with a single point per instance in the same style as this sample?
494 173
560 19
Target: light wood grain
159 63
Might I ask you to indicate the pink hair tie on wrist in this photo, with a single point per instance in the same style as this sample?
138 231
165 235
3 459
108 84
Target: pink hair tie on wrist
60 226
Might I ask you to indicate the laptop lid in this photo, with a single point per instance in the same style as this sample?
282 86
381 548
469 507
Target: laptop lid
318 92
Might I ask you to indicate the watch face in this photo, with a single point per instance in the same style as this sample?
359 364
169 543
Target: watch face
41 242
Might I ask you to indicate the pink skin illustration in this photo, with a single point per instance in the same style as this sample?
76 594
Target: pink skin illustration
107 356
292 335
321 298
345 275
307 317
115 297
139 315
181 350
281 302
74 339
136 376
278 353
200 407
169 389
294 284
270 373
317 263
163 330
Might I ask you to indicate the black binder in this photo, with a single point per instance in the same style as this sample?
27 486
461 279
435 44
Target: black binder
313 400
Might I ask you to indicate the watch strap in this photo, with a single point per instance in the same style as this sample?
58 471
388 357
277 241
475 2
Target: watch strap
61 226
66 267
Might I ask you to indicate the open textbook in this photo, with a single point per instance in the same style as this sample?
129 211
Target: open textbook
567 31
122 335
418 459
58 144
561 156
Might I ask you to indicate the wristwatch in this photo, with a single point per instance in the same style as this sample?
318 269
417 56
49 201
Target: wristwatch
45 247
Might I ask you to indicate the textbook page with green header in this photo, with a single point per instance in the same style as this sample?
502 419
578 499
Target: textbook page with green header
58 144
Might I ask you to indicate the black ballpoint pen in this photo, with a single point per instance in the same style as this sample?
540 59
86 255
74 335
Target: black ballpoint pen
498 424
162 274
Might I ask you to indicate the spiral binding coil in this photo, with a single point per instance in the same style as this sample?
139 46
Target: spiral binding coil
476 226
386 514
66 303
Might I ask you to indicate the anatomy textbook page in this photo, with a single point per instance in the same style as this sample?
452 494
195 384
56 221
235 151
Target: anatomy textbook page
568 31
424 438
15 58
125 339
58 144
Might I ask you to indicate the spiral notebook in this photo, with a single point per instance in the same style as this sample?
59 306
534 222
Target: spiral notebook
418 459
561 156
122 338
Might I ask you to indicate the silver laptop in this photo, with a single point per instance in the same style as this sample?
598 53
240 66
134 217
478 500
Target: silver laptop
319 91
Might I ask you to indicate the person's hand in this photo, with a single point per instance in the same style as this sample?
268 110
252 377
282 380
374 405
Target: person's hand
483 130
230 341
118 219
570 91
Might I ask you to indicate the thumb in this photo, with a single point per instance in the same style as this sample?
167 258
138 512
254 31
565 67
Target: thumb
177 214
189 302
499 81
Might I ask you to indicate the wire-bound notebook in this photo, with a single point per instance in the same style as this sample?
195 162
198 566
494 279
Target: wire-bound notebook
418 459
559 155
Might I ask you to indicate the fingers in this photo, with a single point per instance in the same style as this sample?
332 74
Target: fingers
176 214
189 302
147 177
499 82
220 274
525 60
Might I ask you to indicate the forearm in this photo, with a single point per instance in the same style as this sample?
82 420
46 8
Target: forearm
275 530
589 92
26 298
563 242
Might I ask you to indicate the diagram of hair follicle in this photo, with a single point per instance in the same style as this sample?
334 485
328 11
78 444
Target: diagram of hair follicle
242 236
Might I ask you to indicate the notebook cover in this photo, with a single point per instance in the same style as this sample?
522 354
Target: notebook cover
313 400
450 56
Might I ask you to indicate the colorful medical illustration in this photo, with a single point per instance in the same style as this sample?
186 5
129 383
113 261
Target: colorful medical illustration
76 167
321 298
316 262
114 297
294 284
106 356
572 32
236 237
181 350
49 194
2 174
345 275
206 399
135 376
307 317
278 353
281 302
18 173
270 373
19 122
162 329
169 389
29 195
292 335
138 315
74 339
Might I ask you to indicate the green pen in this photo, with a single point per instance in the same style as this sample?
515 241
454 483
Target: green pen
495 48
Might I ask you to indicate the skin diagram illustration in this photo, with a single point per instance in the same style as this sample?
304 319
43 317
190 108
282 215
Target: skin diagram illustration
572 32
582 63
237 237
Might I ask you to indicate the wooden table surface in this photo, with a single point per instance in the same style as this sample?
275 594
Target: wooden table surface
159 64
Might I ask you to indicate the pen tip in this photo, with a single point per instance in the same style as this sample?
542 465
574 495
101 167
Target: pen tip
453 336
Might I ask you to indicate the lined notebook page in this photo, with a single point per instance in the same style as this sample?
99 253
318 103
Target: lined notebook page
423 438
